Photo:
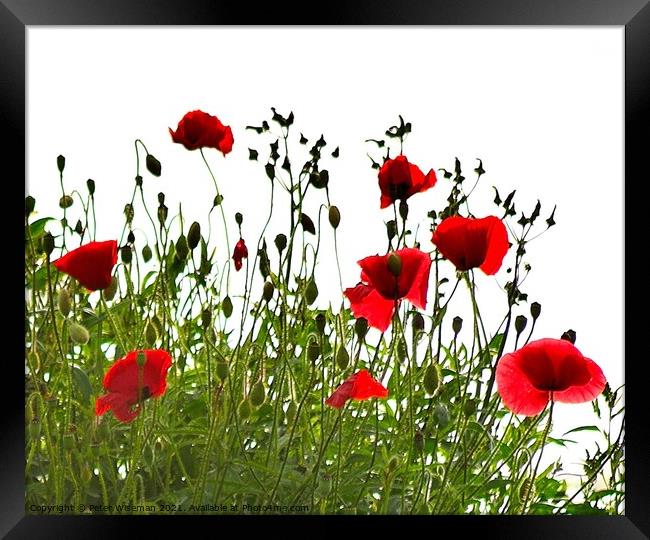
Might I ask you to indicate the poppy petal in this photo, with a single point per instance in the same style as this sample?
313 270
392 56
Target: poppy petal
416 266
90 264
365 387
375 271
519 395
585 392
366 302
497 245
340 395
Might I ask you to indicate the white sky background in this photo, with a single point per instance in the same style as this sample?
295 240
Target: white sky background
543 108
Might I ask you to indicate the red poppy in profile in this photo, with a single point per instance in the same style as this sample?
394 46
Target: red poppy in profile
129 384
90 264
399 179
359 386
241 252
472 242
379 291
547 369
198 129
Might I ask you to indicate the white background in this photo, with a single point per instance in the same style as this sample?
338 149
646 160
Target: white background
543 108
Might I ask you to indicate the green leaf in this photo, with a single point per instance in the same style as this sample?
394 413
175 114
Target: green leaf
582 428
82 383
37 228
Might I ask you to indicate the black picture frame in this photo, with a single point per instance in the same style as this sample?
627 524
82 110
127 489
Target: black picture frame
16 15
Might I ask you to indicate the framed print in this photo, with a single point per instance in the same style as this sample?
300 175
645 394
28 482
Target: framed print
378 266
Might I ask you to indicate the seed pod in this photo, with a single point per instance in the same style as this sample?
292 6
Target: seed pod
313 350
146 253
150 334
60 163
535 310
244 410
418 441
64 302
226 306
311 292
182 249
267 292
469 408
239 218
90 184
109 292
222 370
257 394
418 322
48 243
161 198
126 255
441 415
194 235
162 214
78 334
457 324
334 216
30 203
206 317
292 410
520 323
153 165
280 242
320 322
361 327
431 380
342 358
403 209
395 264
65 201
130 239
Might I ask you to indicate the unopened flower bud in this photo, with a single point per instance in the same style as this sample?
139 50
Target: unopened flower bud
395 264
48 243
280 242
403 209
313 350
30 203
182 249
90 184
153 165
570 336
431 379
60 163
64 302
361 327
150 334
292 411
78 334
130 238
320 322
194 235
469 407
206 317
401 350
418 441
267 292
109 292
456 324
146 253
535 310
226 306
244 409
239 218
334 216
257 394
418 322
65 201
311 292
222 370
78 228
342 358
441 415
391 229
520 323
162 214
393 463
126 255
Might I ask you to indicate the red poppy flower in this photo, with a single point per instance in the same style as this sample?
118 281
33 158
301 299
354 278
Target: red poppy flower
90 264
241 252
359 386
547 369
198 129
129 384
375 297
399 179
472 242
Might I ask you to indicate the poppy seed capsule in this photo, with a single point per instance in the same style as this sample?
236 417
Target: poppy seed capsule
469 407
280 242
257 394
162 214
520 323
320 322
78 334
244 409
239 218
226 306
361 327
457 324
65 201
267 291
313 350
194 235
153 165
431 379
334 216
342 358
146 253
569 336
222 370
395 264
161 198
64 302
109 292
535 310
126 255
90 184
30 203
48 243
311 292
60 163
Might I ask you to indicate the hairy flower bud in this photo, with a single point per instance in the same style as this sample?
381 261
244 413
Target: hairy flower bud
78 334
194 235
342 358
535 310
431 379
64 302
334 216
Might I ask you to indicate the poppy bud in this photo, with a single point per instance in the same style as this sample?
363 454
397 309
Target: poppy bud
457 324
153 165
334 216
244 409
257 394
222 370
239 218
78 334
128 212
150 334
217 200
162 214
535 310
48 243
280 242
138 181
60 163
320 322
441 415
520 323
401 350
130 239
418 441
34 429
64 302
361 327
319 179
391 229
78 228
403 209
313 350
292 410
418 322
395 264
90 184
126 255
267 292
182 249
30 203
206 317
226 306
469 407
342 358
146 253
109 292
431 379
161 198
570 336
65 201
311 292
194 235
141 359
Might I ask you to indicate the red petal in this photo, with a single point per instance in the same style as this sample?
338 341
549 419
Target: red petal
340 395
375 270
585 392
123 376
515 388
366 302
416 266
120 406
497 245
420 182
226 142
365 387
90 264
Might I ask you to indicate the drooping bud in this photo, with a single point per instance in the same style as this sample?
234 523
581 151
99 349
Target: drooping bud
182 249
126 255
393 463
222 370
313 350
418 441
78 334
361 327
395 264
469 407
267 292
292 411
206 317
441 415
239 218
520 323
130 238
280 242
162 214
150 334
342 358
109 292
334 216
78 228
64 302
535 310
418 322
401 350
456 324
48 243
226 306
153 165
391 229
65 201
320 322
30 203
311 292
257 394
431 379
146 253
244 409
194 235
